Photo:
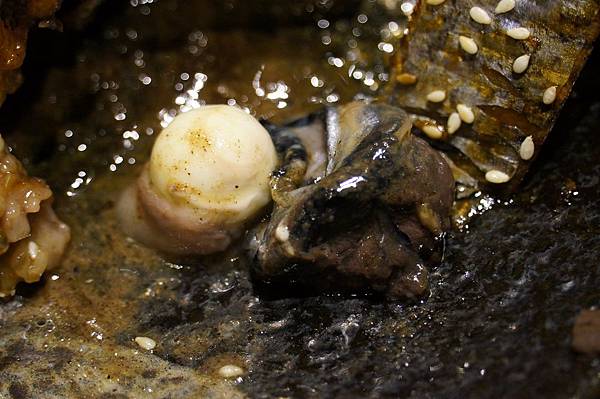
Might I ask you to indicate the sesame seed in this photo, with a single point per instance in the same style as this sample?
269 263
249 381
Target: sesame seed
505 6
497 177
466 113
521 63
407 8
549 95
518 33
527 148
145 343
454 123
231 371
468 44
480 16
433 131
406 79
436 96
435 2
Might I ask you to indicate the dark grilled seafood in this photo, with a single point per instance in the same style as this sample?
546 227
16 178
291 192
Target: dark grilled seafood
365 208
485 80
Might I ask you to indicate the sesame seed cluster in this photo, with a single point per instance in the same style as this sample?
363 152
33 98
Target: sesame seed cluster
489 78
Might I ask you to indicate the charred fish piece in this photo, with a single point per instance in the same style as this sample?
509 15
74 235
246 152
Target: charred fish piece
485 80
371 216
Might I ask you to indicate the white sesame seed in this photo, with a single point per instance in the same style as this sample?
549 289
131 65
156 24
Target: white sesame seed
468 44
231 371
466 113
282 232
454 123
527 148
518 33
436 96
521 63
497 177
407 8
549 95
433 131
505 6
480 16
406 79
145 343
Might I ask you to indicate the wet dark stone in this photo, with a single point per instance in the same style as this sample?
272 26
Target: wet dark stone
6 361
18 391
113 396
25 355
160 313
58 358
149 373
